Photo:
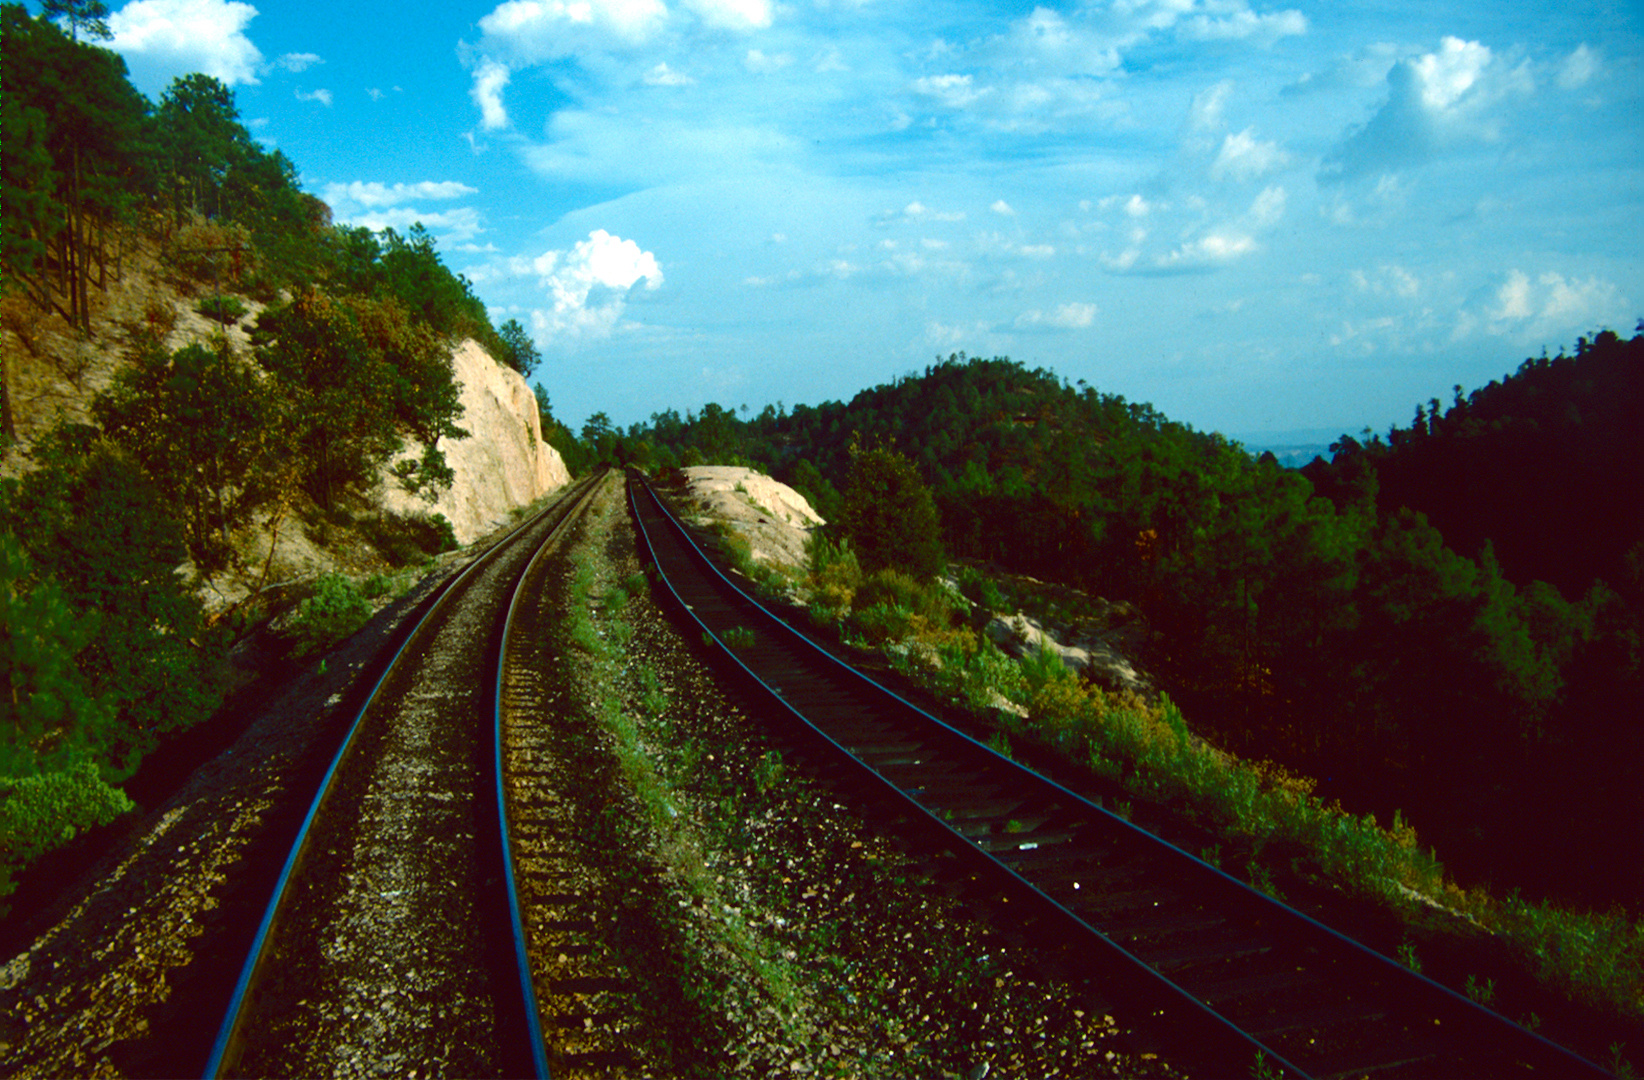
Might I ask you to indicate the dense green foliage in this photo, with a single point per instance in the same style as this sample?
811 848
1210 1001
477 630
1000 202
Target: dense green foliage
1316 617
888 514
104 651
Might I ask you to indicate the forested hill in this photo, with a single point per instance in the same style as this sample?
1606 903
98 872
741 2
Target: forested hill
1330 626
1538 464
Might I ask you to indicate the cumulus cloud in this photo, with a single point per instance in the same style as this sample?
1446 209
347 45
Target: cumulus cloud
1388 279
663 75
1072 316
762 64
589 284
161 39
1244 157
321 96
732 14
1578 69
1205 114
1434 101
374 194
490 77
952 90
1245 25
298 62
1550 306
531 31
380 206
1000 206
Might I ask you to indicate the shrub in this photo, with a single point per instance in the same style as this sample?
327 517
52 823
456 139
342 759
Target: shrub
333 613
224 309
41 813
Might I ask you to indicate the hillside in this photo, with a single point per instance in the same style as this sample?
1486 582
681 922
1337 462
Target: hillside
1307 618
219 409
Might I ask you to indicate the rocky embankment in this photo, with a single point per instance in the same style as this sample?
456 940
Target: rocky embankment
501 464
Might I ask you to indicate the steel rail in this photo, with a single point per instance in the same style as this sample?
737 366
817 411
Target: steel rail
533 1015
231 1030
1217 1039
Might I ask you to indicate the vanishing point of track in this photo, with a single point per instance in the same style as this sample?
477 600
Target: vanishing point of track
1233 980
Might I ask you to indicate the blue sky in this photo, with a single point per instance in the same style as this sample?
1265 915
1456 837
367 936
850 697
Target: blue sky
1257 217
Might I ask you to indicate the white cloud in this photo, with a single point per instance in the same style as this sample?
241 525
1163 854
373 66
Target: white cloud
732 14
1205 114
374 194
529 31
161 39
1388 279
1000 206
321 96
1269 206
1244 24
663 75
588 285
761 64
456 226
1244 157
1578 69
1434 101
953 91
489 79
298 62
1073 316
1552 307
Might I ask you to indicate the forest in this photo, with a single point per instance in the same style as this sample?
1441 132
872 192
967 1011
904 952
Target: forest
105 650
1443 623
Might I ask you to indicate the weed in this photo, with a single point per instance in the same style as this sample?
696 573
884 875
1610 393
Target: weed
1262 880
1262 1069
1620 1066
999 743
1408 957
1484 993
739 638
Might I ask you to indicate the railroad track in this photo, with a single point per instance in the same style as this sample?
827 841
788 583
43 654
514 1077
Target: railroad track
394 937
1237 982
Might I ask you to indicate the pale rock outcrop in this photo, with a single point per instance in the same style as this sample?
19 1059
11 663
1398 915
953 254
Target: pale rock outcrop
1092 655
775 518
501 464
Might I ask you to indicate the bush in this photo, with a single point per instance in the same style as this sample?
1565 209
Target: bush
41 813
333 613
405 539
224 309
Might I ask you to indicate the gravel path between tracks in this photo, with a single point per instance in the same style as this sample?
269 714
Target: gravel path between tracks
774 932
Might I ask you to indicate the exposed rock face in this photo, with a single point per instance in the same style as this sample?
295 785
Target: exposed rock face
1092 654
503 463
775 518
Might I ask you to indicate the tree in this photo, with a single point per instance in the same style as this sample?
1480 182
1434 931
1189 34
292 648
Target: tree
75 109
888 514
202 140
356 375
89 15
205 429
520 352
